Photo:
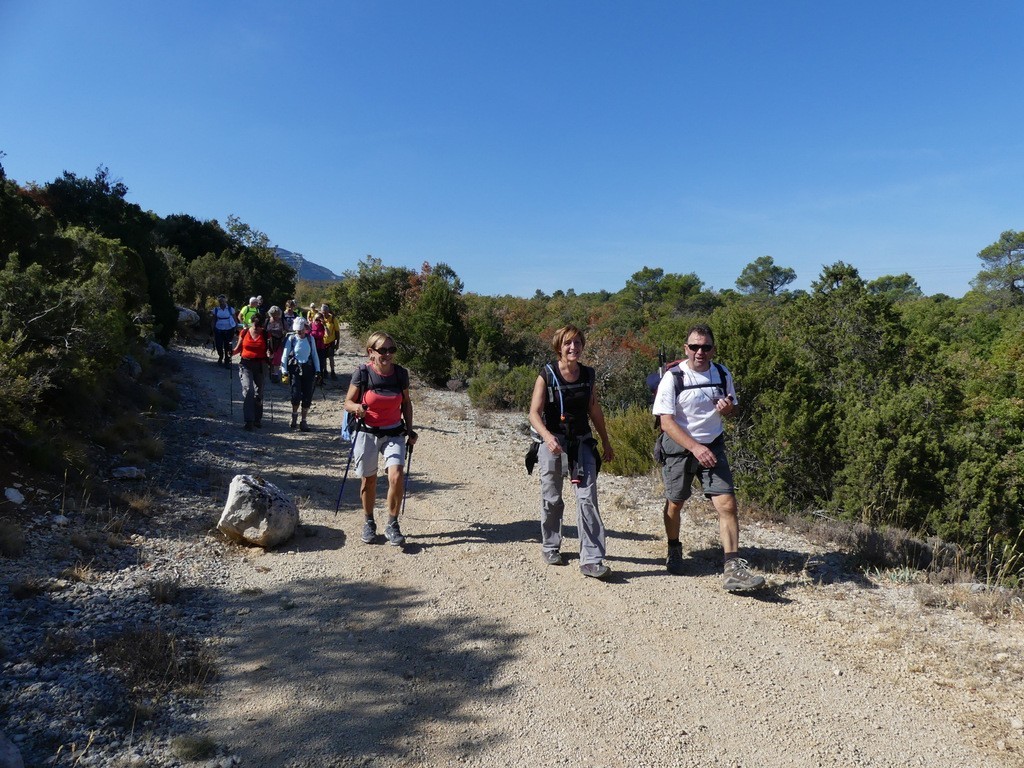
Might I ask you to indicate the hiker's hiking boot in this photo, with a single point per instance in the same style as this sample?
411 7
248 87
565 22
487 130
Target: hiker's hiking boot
394 534
595 570
674 561
295 421
369 531
303 426
248 426
552 557
738 577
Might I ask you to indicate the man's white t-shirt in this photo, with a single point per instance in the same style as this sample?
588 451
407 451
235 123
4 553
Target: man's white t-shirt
694 409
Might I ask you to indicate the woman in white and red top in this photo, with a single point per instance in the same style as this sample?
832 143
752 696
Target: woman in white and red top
379 398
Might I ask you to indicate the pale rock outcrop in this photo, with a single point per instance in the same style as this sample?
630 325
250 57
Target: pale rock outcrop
258 513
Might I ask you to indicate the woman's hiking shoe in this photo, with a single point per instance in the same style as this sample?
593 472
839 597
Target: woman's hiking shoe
552 557
394 534
295 421
303 426
738 577
369 531
595 570
674 561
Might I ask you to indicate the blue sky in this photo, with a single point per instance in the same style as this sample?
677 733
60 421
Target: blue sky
548 145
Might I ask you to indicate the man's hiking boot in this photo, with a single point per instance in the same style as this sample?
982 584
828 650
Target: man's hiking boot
552 557
394 534
674 561
369 531
738 577
295 421
303 426
595 570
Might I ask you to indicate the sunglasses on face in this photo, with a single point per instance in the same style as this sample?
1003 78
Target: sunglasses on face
700 347
385 350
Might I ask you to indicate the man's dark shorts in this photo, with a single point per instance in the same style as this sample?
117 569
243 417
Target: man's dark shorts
680 469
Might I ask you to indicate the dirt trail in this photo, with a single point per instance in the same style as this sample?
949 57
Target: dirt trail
464 649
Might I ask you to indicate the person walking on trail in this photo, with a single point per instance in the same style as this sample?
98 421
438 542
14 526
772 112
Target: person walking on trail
563 406
289 315
246 313
332 335
224 325
378 397
253 346
690 403
318 330
300 362
275 334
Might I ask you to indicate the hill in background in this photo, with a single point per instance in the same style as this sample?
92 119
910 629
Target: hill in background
304 268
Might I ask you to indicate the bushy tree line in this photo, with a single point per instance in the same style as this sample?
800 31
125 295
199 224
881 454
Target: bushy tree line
87 277
865 399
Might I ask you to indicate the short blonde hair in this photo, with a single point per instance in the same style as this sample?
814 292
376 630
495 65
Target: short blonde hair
376 338
564 334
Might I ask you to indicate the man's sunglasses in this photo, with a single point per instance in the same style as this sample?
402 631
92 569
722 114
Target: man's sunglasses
385 350
700 347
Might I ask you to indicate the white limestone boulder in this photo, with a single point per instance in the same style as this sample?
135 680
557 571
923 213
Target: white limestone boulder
258 513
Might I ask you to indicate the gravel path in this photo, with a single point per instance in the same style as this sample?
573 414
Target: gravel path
465 649
462 648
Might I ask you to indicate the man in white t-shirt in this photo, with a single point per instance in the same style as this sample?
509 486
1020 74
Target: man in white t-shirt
690 402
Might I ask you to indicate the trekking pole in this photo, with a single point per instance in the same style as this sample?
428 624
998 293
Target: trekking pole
231 390
408 468
351 451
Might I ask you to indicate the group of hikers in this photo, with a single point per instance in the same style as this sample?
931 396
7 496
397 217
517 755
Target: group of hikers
692 397
294 347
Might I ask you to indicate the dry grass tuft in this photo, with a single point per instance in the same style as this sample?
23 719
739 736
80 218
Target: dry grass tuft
12 539
26 589
81 572
152 659
193 748
57 644
164 591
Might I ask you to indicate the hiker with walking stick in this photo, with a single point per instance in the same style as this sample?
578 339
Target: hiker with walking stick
300 363
253 346
379 397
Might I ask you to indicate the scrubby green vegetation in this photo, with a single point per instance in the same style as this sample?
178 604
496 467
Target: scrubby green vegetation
87 280
866 401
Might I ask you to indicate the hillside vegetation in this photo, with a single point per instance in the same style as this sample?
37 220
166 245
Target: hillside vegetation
865 401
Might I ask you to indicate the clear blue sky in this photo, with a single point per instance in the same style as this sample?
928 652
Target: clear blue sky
543 144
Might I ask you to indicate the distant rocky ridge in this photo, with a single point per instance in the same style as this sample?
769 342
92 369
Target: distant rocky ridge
304 268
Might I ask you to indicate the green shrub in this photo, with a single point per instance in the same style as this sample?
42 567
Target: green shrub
632 434
496 387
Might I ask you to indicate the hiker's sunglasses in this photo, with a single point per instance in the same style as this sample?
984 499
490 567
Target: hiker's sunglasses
700 347
385 350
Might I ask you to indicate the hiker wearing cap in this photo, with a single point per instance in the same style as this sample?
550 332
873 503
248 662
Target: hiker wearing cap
563 405
253 346
332 333
299 360
222 318
378 397
246 313
690 403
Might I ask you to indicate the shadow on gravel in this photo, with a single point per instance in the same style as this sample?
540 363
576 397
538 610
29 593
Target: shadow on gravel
489 533
328 670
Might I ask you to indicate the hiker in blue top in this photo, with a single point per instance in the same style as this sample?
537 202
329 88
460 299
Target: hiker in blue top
691 400
300 362
563 405
222 317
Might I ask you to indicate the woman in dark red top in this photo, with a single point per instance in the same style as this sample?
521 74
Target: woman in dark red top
254 348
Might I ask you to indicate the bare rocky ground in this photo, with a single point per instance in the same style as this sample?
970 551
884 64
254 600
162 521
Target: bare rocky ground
462 648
